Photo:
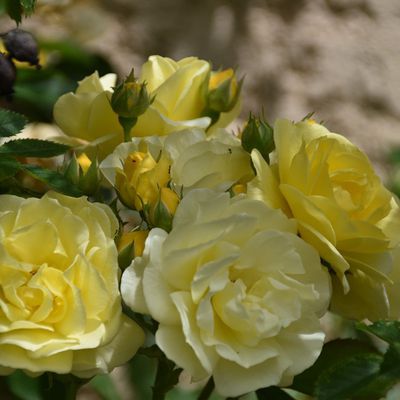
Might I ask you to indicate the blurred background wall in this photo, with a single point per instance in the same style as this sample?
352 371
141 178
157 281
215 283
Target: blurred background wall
338 58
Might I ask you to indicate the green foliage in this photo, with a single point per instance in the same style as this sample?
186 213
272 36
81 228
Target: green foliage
48 386
16 9
272 393
53 179
23 386
9 166
389 331
332 353
167 374
105 387
258 134
28 5
11 123
353 368
33 148
346 378
142 371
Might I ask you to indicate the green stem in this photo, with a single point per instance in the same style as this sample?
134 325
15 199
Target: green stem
127 124
71 390
213 115
207 390
138 318
167 375
158 394
61 387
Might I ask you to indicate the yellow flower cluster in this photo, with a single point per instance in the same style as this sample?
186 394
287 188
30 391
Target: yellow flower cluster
179 103
232 247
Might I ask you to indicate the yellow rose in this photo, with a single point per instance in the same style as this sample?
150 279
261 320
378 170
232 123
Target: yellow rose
341 206
179 98
200 161
60 307
236 292
188 159
87 114
139 181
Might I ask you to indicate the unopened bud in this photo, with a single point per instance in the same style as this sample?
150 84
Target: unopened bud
130 99
130 245
72 170
7 76
223 90
22 46
84 162
89 175
84 173
139 181
258 134
163 211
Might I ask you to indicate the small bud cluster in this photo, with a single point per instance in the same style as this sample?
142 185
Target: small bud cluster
20 46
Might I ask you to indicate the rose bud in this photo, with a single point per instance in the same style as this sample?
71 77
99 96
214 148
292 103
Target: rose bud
7 76
22 46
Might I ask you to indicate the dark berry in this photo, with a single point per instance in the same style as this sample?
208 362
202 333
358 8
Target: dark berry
22 46
7 76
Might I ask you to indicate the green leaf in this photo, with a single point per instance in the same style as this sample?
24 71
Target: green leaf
141 372
167 377
332 353
167 374
388 376
104 385
8 167
344 379
273 393
60 387
33 148
11 123
389 331
17 8
28 5
23 386
394 156
125 256
54 179
14 10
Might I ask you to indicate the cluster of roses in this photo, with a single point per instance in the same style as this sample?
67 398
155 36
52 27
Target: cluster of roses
236 252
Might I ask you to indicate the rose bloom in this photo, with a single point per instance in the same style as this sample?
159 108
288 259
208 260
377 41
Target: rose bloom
60 307
342 209
236 292
186 160
87 114
178 87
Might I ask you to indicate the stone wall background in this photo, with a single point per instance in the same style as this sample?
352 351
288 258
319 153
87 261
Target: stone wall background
338 58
